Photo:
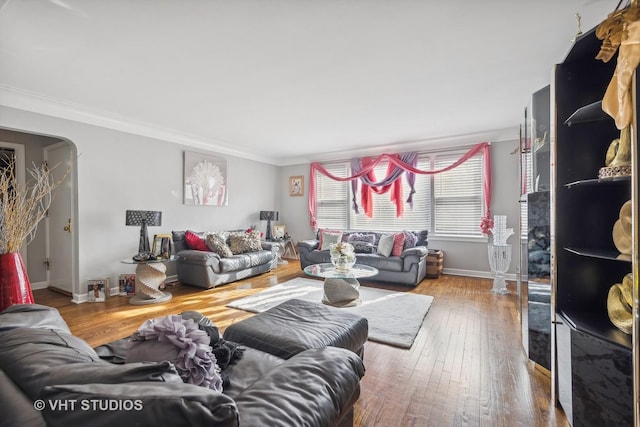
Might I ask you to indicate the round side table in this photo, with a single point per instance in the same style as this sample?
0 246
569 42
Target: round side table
150 275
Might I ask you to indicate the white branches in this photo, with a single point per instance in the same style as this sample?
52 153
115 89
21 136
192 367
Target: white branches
22 207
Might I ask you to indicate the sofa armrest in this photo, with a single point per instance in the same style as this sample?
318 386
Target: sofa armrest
138 403
314 387
309 245
190 256
268 246
418 251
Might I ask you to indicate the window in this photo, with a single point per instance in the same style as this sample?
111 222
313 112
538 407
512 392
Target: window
448 203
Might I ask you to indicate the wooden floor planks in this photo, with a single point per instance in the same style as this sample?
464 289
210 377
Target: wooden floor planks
466 367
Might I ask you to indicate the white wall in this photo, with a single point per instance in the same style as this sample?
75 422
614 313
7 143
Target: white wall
461 257
119 171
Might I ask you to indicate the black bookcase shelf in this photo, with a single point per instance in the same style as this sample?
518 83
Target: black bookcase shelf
599 181
589 113
600 254
597 326
590 351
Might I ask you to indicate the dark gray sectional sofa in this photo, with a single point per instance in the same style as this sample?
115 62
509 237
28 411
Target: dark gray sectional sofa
49 377
409 268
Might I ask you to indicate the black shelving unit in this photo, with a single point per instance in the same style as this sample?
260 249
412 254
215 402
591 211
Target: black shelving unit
534 282
593 373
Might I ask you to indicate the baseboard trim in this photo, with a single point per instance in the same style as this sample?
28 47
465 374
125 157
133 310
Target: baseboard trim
39 285
475 273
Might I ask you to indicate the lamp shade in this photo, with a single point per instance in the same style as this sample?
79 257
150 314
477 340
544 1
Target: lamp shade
268 215
144 219
151 218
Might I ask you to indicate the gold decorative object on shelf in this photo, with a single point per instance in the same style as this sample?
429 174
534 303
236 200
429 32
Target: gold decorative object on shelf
620 304
620 30
618 157
622 230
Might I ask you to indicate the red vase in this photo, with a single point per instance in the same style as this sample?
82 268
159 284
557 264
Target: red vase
14 282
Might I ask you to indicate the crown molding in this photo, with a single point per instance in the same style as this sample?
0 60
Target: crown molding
28 101
437 143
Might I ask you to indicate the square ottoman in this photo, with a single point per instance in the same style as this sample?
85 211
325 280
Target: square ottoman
296 325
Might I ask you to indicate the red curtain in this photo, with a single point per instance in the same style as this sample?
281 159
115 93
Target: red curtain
482 148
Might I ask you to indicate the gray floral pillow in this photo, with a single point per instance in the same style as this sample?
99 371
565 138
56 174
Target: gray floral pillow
245 242
410 239
363 247
362 237
216 243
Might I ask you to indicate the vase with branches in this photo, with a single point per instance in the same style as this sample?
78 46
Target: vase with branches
22 207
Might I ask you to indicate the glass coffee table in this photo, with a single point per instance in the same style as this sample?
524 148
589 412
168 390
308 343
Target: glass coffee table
341 288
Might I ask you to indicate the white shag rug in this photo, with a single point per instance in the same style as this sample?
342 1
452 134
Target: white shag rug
394 317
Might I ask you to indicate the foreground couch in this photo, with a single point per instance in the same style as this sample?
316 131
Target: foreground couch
207 269
408 267
50 377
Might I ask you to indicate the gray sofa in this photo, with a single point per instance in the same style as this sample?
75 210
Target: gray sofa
208 269
409 268
50 377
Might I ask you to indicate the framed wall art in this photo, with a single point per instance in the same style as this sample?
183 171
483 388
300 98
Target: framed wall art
205 180
296 186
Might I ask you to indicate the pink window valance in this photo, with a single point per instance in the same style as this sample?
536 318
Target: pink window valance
362 170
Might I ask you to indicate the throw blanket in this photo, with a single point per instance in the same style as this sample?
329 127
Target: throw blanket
227 353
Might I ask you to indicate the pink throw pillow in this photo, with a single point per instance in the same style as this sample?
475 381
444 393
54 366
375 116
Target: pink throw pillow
195 242
398 244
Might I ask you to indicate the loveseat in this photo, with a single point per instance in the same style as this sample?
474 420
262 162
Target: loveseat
202 266
405 263
50 377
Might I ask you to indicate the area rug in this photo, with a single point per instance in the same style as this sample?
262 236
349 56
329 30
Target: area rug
394 317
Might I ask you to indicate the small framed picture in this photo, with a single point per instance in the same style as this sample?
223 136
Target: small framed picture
127 284
97 290
279 232
162 245
296 185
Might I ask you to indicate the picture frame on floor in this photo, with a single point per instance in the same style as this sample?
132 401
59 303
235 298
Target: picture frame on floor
97 290
127 284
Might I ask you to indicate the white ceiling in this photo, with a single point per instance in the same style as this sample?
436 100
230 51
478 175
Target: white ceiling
288 81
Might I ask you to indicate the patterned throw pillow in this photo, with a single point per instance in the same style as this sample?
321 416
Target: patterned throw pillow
410 239
398 244
328 239
363 247
217 244
326 230
245 242
385 245
194 241
361 237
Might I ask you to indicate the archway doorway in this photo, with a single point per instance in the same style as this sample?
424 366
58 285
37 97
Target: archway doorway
50 260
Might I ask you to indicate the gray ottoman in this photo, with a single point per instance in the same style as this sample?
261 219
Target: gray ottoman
296 325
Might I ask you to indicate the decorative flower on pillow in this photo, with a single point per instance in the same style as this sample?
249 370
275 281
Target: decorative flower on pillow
253 230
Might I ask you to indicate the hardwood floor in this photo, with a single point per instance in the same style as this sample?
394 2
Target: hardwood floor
466 367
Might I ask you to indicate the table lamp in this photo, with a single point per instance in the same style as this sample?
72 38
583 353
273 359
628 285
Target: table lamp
144 219
268 216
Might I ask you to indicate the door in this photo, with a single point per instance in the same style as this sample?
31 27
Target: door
9 150
60 222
